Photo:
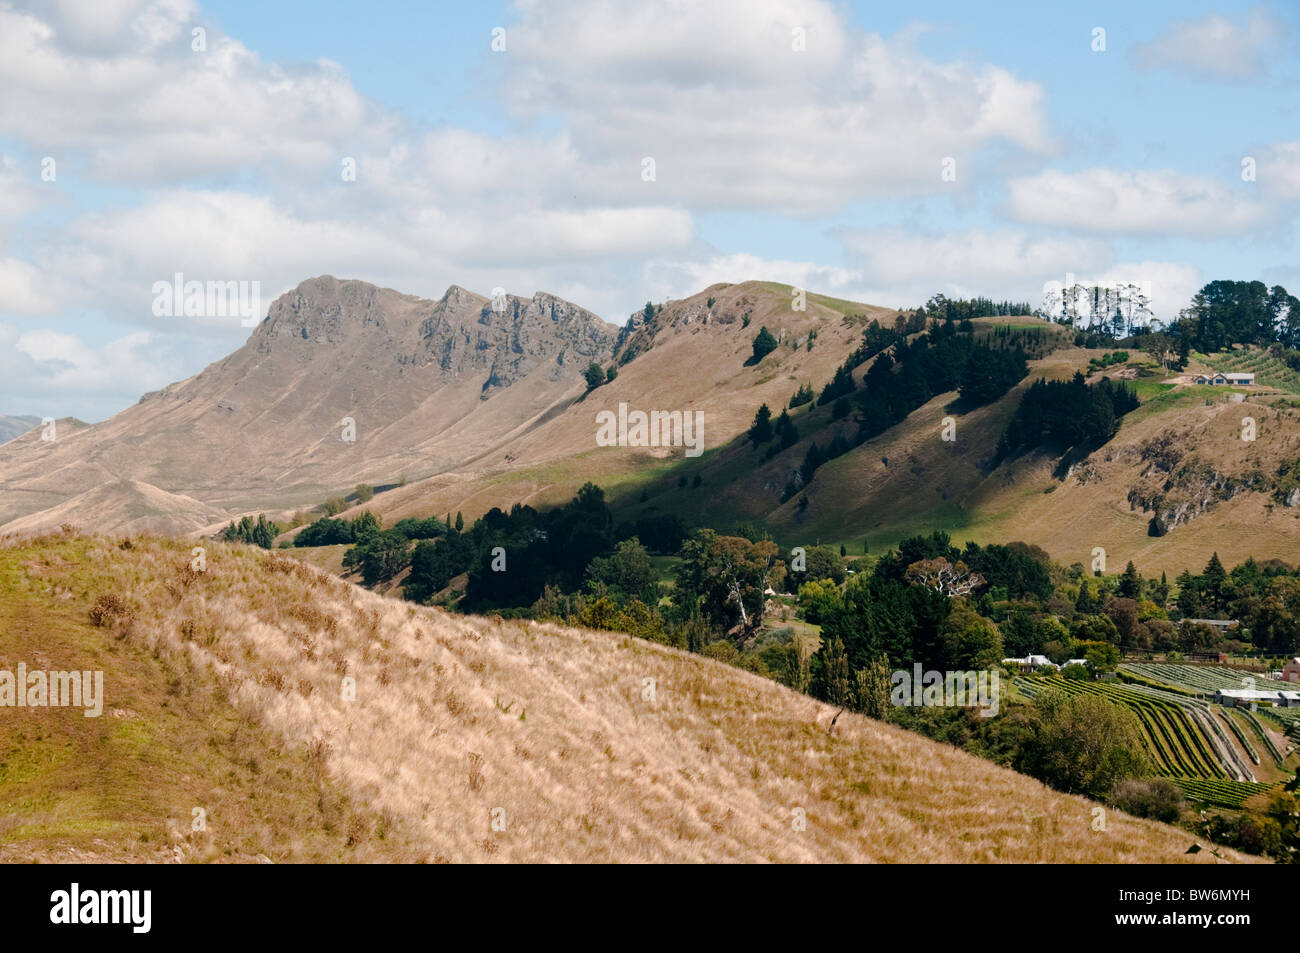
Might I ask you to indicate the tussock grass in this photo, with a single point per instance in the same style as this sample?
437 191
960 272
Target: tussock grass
471 739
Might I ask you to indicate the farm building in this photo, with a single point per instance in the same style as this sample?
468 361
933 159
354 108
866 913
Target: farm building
1291 671
1243 697
1221 378
1030 663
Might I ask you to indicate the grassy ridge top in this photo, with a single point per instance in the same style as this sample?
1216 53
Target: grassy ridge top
466 739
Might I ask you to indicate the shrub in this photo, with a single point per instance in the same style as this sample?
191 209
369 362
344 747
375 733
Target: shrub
110 608
1156 798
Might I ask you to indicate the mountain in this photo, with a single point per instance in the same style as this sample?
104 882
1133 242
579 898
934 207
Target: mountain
11 427
461 738
343 382
693 355
1179 461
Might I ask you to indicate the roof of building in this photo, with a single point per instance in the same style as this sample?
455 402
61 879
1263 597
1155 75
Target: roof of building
1255 693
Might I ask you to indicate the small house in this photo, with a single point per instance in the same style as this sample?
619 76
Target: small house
1291 670
1226 379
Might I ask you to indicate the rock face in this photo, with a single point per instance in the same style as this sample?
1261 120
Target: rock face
342 382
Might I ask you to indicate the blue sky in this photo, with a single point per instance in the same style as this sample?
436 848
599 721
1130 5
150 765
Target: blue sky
523 168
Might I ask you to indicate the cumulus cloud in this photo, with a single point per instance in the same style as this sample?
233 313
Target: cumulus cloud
52 373
734 115
1215 47
1278 171
1123 202
120 84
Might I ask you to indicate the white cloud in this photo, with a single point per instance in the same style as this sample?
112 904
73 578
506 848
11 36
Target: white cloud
21 290
1116 202
1278 173
52 373
664 278
979 261
733 117
1215 47
121 83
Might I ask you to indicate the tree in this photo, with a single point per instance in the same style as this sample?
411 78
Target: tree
1102 656
764 344
1212 580
970 641
804 395
761 431
819 599
1130 583
365 492
871 689
726 577
831 681
460 522
627 573
365 526
381 556
942 576
595 375
786 431
1124 613
1084 744
1161 594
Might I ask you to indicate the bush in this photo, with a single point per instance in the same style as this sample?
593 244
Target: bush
365 492
1156 798
110 608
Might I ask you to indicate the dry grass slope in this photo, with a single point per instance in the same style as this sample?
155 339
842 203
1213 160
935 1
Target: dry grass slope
482 740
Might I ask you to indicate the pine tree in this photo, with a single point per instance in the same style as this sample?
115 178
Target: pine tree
761 431
1212 581
1085 604
764 344
786 430
1130 583
460 522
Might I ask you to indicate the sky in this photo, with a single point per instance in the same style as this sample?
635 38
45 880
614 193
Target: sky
617 152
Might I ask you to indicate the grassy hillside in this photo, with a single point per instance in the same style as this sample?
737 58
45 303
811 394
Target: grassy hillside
908 480
124 786
467 739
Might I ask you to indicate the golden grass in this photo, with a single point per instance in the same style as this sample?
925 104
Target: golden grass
484 740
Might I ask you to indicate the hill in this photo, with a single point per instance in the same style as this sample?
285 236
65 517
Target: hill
11 427
692 356
342 382
468 739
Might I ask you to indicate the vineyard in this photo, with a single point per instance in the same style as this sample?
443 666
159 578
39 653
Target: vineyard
1195 677
1182 738
1268 369
1222 793
1197 746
